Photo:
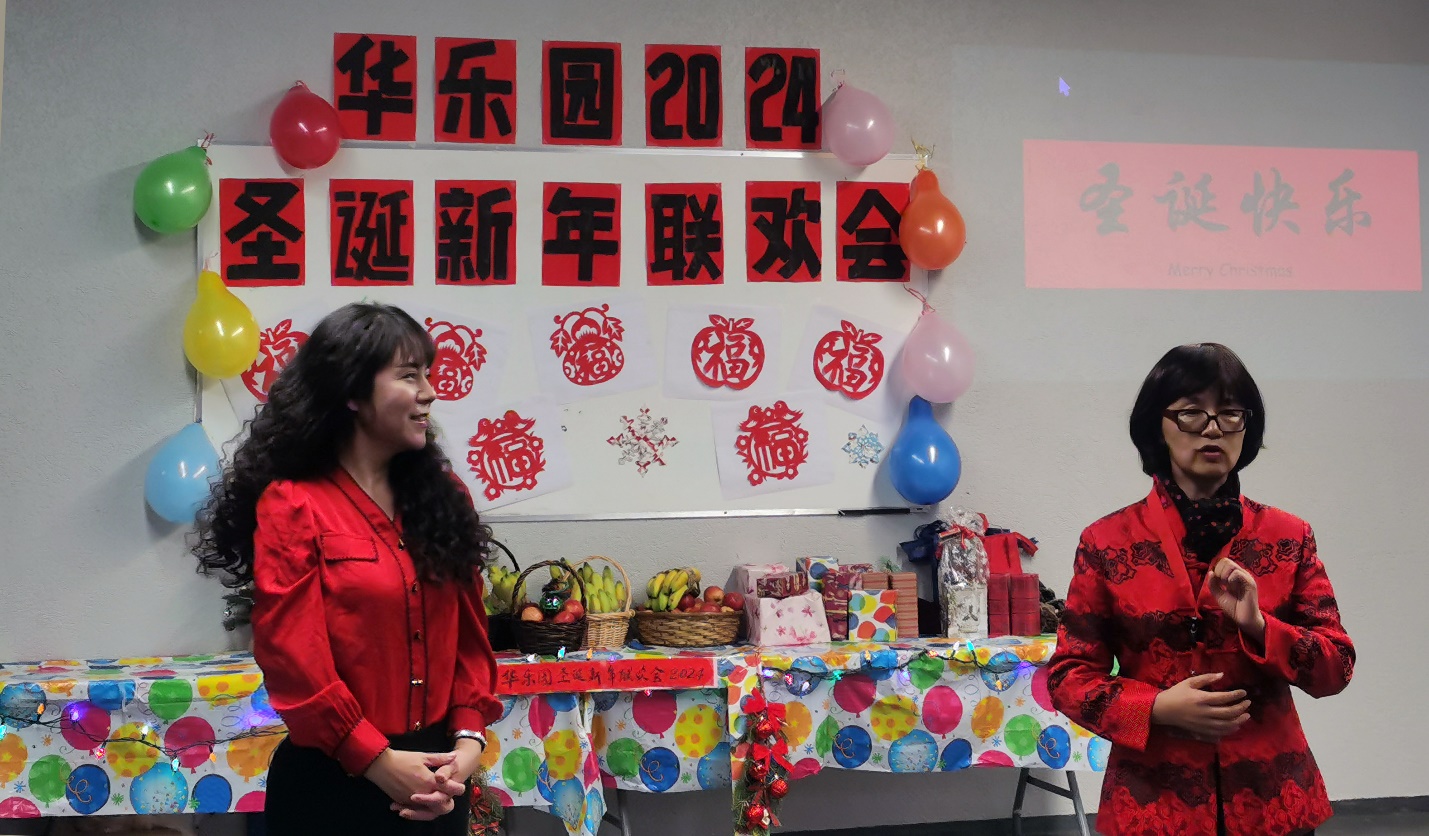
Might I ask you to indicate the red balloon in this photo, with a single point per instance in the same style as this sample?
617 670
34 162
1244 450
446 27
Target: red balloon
932 231
305 128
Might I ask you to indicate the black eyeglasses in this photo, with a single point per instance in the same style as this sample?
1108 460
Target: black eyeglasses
1196 420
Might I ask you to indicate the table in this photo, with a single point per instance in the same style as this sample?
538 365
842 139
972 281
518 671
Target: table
195 733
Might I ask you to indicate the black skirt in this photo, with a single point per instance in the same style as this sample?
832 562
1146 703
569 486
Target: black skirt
309 794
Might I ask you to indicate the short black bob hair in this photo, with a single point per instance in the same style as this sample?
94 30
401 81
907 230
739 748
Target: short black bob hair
1184 372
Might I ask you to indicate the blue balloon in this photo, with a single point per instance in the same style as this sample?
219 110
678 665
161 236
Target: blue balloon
923 463
852 746
916 751
21 705
713 769
659 769
1097 752
956 755
112 695
177 483
213 794
1054 746
162 789
87 789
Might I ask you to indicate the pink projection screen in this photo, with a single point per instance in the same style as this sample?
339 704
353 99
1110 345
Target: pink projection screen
1144 215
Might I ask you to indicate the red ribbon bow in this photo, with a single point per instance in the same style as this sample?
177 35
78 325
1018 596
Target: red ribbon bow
776 753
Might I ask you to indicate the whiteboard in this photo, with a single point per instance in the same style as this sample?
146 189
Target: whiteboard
597 486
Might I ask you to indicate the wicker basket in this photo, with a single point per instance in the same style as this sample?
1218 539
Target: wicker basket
687 629
607 630
499 627
547 638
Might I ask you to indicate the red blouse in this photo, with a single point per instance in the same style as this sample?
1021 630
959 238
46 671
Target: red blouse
354 647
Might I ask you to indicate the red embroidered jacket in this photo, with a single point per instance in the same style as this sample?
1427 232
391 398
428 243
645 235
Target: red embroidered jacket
1131 599
354 647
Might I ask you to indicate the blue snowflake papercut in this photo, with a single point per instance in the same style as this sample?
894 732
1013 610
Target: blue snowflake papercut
864 447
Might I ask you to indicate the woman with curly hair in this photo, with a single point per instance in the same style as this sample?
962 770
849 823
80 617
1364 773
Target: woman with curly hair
364 553
1214 605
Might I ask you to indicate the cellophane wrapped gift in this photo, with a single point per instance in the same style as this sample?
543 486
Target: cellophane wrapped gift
962 575
745 578
838 585
782 585
799 620
815 568
873 615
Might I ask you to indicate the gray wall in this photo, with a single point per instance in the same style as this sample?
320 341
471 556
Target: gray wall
94 378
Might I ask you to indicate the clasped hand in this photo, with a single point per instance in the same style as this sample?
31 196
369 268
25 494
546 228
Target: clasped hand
424 785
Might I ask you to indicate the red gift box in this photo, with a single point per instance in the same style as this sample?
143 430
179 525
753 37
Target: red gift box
782 585
837 586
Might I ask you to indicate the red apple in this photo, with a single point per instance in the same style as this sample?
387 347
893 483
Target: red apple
709 607
688 602
531 612
734 601
565 617
573 607
714 595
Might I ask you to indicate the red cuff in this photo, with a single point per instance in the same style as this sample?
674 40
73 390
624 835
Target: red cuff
1274 628
360 748
1129 719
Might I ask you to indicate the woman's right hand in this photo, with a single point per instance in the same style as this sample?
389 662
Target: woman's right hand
404 774
1204 715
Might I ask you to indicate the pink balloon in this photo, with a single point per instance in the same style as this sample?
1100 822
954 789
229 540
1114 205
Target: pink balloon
190 736
858 127
84 725
937 360
305 129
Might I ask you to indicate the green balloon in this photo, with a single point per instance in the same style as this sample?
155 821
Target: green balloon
518 770
48 777
925 671
1021 735
623 758
824 739
170 698
173 192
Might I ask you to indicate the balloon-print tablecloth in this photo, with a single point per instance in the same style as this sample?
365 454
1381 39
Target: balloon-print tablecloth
196 733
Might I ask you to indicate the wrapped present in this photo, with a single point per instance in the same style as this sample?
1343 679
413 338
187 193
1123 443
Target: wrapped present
745 578
873 615
861 568
839 584
999 605
798 620
816 568
906 585
1024 605
782 585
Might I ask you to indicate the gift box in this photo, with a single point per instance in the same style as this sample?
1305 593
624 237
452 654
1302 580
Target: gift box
999 605
745 578
1005 550
839 584
815 568
873 615
798 620
1024 604
782 585
906 585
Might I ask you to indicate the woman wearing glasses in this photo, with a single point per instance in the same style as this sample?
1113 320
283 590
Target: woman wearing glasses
1214 605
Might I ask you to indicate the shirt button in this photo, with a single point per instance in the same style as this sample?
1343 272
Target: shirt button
414 587
416 683
417 636
417 726
401 544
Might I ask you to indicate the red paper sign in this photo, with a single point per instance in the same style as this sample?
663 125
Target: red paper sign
684 234
371 230
374 82
684 101
783 233
476 232
580 93
262 240
727 352
781 98
1142 215
476 91
506 455
277 346
580 235
678 673
589 344
867 235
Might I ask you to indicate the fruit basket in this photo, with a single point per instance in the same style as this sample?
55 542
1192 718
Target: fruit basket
678 617
607 604
500 625
548 637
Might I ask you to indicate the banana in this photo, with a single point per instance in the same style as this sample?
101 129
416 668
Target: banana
677 595
660 604
619 594
676 580
607 578
695 574
654 586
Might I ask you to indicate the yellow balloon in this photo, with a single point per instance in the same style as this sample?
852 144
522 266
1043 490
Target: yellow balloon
220 333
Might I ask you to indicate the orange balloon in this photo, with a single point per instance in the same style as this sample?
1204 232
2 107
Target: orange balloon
932 231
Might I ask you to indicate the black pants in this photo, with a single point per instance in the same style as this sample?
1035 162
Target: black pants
310 795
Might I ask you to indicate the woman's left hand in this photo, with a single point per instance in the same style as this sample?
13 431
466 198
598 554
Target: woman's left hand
451 783
1236 591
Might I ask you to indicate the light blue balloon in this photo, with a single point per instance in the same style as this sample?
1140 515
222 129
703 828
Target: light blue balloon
177 483
916 751
923 463
162 789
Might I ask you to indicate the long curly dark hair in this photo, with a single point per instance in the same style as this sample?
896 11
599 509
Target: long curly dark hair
299 433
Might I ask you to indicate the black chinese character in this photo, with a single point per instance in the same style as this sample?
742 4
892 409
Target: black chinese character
1340 211
874 253
1266 205
784 225
458 237
1105 199
389 96
1191 205
685 248
378 229
581 92
578 219
474 92
262 204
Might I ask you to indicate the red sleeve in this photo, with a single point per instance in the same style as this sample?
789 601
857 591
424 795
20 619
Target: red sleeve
473 703
1079 676
290 636
1309 647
